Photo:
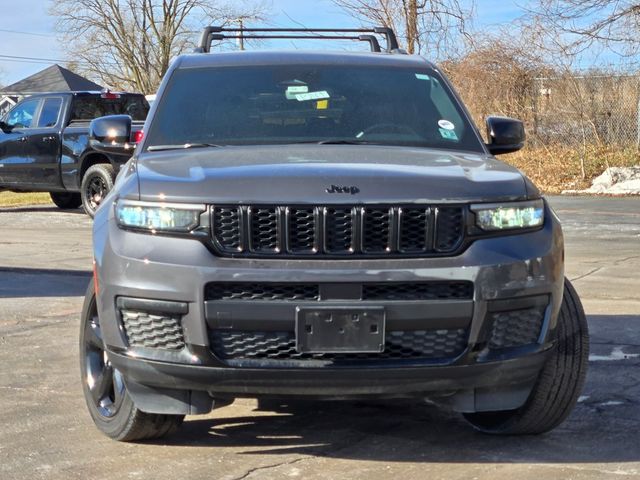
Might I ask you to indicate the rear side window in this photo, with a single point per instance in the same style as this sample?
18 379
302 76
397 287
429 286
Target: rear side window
50 112
90 107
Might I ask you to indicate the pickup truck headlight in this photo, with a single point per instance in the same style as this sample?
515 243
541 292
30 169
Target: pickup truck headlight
507 216
158 217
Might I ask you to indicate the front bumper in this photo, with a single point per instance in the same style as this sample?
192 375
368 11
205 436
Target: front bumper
504 271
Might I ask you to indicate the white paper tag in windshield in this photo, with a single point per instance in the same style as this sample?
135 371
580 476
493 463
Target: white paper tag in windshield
446 124
293 90
305 97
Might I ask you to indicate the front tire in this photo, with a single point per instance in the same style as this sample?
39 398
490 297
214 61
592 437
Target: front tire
559 384
109 404
66 200
97 182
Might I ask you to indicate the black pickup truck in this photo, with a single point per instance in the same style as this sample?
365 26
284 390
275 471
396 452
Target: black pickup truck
44 146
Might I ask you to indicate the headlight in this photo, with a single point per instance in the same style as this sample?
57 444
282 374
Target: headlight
158 217
505 216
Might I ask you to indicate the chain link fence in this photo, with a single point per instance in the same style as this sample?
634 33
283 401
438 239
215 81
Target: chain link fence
586 110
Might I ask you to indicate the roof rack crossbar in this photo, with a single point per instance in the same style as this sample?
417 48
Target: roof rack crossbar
212 33
372 40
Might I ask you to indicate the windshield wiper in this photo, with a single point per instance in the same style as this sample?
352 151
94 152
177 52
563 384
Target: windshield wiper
337 141
346 142
158 148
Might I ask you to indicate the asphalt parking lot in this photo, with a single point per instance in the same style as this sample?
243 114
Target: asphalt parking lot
45 431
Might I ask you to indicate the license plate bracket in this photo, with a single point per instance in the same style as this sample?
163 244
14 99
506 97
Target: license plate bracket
340 329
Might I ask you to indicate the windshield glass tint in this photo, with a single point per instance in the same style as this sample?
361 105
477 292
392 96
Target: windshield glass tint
310 103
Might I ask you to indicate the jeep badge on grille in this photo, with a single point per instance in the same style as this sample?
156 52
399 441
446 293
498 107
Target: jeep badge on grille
343 189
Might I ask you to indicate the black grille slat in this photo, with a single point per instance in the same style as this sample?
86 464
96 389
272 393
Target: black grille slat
264 230
376 230
302 230
348 231
414 229
449 227
227 227
339 230
281 346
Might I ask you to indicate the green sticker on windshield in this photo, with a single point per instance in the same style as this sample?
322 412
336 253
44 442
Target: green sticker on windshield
448 134
422 76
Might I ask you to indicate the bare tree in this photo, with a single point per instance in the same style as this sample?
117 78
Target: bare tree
129 44
433 26
573 26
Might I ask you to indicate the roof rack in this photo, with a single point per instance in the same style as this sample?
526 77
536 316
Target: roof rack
212 33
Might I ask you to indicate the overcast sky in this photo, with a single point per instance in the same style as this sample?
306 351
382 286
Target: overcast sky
38 40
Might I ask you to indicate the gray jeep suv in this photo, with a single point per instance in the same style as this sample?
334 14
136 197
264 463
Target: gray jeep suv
324 226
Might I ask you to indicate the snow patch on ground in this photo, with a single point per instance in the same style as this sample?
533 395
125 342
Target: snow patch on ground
616 354
614 181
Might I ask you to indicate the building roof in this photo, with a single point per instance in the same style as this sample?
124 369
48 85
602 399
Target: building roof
52 79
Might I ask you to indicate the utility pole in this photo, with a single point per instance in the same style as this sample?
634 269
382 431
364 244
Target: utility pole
240 37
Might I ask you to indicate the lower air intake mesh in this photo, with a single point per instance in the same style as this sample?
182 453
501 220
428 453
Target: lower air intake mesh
281 346
151 330
516 328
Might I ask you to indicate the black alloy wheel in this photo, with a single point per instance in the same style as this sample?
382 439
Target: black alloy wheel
97 182
110 405
104 383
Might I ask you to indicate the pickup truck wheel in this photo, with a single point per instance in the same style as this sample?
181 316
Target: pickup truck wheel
559 383
97 182
109 404
66 200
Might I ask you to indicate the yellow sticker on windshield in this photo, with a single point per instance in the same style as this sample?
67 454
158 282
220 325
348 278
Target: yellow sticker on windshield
322 104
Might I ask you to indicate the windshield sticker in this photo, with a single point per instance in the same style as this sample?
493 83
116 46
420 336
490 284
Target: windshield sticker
293 90
422 76
448 134
446 124
305 97
322 104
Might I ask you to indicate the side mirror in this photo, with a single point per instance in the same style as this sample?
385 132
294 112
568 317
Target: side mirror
505 134
5 127
111 134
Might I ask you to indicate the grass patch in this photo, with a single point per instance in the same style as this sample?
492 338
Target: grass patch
555 168
14 199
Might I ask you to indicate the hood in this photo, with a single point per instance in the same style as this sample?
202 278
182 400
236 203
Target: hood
325 174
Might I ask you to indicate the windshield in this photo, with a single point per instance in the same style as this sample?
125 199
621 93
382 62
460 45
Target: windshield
308 104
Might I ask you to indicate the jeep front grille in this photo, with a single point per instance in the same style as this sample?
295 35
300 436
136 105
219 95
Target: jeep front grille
340 231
